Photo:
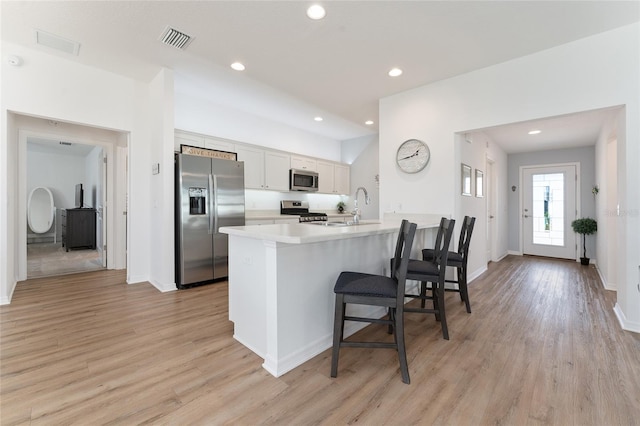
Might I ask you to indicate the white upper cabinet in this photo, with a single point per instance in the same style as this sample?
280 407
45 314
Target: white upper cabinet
325 177
333 178
219 144
276 170
264 169
253 166
341 179
269 169
187 139
304 163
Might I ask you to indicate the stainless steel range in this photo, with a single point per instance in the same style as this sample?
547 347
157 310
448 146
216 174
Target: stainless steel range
301 208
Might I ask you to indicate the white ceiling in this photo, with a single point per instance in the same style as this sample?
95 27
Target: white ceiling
48 146
298 68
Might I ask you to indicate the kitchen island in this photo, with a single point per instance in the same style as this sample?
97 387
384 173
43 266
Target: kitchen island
281 280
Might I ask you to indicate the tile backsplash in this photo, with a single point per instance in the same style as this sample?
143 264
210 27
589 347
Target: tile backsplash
270 200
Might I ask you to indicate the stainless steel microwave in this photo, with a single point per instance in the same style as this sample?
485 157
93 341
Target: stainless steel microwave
303 180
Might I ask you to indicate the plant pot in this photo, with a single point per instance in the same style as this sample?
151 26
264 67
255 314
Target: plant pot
584 260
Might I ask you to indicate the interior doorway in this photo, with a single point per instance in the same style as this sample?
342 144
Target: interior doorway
548 208
105 190
75 177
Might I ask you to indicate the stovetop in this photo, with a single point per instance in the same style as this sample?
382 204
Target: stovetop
301 208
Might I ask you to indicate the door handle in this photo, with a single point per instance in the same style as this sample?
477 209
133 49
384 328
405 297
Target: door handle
211 205
215 204
525 215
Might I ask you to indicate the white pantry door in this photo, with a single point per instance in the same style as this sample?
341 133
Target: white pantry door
548 208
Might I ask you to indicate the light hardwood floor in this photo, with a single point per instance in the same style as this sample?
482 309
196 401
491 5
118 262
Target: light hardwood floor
542 346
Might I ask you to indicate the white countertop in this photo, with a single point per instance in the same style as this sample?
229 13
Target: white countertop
303 233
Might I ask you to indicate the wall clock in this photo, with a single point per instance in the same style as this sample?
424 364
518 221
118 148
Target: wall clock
412 156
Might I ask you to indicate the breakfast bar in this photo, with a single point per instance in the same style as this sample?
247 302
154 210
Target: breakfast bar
281 279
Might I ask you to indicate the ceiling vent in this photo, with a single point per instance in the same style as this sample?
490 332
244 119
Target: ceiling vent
65 143
56 42
175 38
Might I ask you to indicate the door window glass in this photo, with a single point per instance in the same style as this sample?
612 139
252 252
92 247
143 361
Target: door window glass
548 209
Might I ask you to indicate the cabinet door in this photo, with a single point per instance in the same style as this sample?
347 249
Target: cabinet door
187 139
276 171
341 179
219 145
325 177
253 167
304 163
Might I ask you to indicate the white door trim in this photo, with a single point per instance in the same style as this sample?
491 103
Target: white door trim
21 233
521 197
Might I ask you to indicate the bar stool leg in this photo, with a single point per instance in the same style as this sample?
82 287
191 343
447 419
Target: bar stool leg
338 332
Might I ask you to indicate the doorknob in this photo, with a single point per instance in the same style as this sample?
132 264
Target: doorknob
525 215
490 216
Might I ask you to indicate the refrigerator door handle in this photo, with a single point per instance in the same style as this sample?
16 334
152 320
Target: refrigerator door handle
212 191
215 204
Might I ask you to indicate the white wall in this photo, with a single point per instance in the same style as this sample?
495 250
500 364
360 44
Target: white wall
54 88
595 72
201 116
362 153
58 172
585 156
161 221
476 149
92 179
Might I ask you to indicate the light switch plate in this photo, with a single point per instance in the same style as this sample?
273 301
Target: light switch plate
155 168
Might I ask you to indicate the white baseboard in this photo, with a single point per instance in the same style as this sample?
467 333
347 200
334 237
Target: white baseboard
279 367
624 322
502 257
6 300
475 274
515 253
164 287
134 279
606 285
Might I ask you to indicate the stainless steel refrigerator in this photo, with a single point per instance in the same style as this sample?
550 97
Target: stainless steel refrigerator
209 195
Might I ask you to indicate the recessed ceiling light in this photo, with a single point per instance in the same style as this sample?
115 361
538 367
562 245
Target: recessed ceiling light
318 118
316 12
535 132
394 72
368 122
238 66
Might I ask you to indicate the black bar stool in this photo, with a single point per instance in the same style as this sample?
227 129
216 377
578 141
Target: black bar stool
458 260
433 271
377 290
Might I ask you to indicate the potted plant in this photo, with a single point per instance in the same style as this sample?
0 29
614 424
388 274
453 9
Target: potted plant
585 226
340 207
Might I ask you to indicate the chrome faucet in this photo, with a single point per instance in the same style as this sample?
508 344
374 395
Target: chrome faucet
356 210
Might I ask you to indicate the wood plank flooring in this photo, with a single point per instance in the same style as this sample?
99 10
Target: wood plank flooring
541 347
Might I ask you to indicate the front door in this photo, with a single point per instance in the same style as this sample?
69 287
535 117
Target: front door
548 208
